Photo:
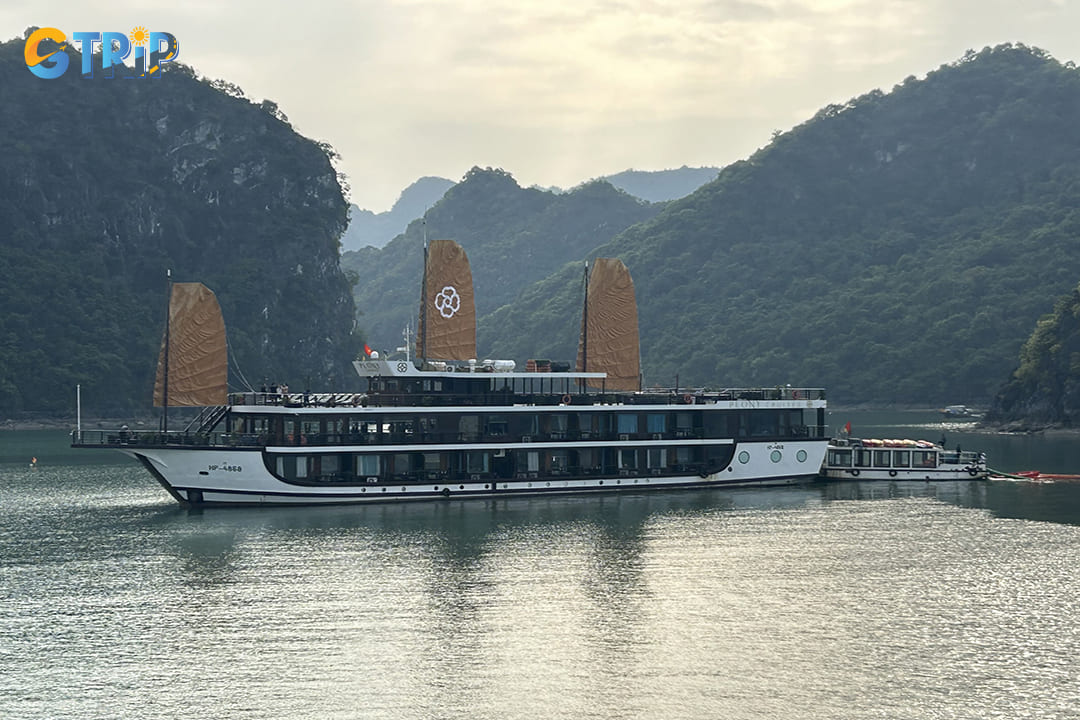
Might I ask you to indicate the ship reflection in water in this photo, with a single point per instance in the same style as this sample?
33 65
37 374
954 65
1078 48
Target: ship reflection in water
851 600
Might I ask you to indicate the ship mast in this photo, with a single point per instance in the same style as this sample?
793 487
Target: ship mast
165 380
423 304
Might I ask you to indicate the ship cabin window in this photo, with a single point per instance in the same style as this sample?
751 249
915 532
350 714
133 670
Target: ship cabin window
924 458
881 458
367 465
901 458
588 425
527 424
589 460
556 426
683 456
433 462
469 427
401 466
497 425
329 466
657 458
401 429
862 457
558 462
764 424
627 423
684 425
628 459
432 385
840 458
656 423
477 462
527 461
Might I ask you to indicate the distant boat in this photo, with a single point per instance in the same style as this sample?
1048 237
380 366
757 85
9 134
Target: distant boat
959 411
873 459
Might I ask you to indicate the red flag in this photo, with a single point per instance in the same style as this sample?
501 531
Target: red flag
367 350
847 428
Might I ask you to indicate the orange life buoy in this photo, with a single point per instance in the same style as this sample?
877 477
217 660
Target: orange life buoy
688 399
566 399
795 394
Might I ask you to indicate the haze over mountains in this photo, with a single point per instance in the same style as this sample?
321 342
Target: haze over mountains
899 247
895 248
369 229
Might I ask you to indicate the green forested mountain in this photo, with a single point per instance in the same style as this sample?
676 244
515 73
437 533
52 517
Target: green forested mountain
105 184
897 247
1045 389
513 236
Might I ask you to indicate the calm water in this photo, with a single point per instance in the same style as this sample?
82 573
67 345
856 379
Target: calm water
855 600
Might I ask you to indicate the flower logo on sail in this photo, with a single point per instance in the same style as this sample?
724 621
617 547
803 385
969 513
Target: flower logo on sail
448 302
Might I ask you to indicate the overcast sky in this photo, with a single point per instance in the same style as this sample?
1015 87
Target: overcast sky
559 91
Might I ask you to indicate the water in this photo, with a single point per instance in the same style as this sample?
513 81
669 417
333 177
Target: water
850 600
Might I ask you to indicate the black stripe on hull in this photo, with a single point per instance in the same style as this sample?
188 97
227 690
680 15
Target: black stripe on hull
448 494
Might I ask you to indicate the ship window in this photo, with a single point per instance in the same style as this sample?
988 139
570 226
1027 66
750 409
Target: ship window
901 458
557 424
588 459
476 462
840 458
925 458
881 458
627 459
367 465
557 461
656 423
469 426
862 458
497 425
682 456
432 462
627 423
528 461
657 457
764 424
330 464
301 466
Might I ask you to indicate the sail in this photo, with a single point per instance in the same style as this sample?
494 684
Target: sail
447 329
609 332
198 366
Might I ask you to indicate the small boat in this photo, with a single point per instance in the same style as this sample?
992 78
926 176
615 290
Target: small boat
874 459
954 412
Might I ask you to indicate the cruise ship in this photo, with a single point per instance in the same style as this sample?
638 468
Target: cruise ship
457 427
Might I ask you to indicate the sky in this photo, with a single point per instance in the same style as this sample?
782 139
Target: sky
560 91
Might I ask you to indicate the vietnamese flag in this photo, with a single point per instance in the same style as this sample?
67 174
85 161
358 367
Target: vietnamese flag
847 428
367 351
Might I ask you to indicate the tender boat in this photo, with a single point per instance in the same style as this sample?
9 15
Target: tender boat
873 459
444 425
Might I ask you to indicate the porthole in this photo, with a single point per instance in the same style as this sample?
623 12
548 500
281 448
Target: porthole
744 457
801 456
775 456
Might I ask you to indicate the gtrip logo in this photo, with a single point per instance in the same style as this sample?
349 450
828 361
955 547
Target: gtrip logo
152 49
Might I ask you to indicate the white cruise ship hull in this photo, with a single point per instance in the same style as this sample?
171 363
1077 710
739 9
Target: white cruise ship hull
204 476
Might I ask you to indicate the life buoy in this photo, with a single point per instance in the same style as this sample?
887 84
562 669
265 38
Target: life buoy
973 471
688 399
855 473
794 394
566 399
892 473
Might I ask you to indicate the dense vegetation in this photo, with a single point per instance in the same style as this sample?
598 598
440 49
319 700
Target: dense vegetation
897 248
105 184
1045 388
513 236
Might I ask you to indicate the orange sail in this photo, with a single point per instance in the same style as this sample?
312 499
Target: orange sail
198 362
609 332
447 329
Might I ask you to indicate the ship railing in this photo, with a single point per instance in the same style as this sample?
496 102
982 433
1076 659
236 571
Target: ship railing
305 399
121 438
